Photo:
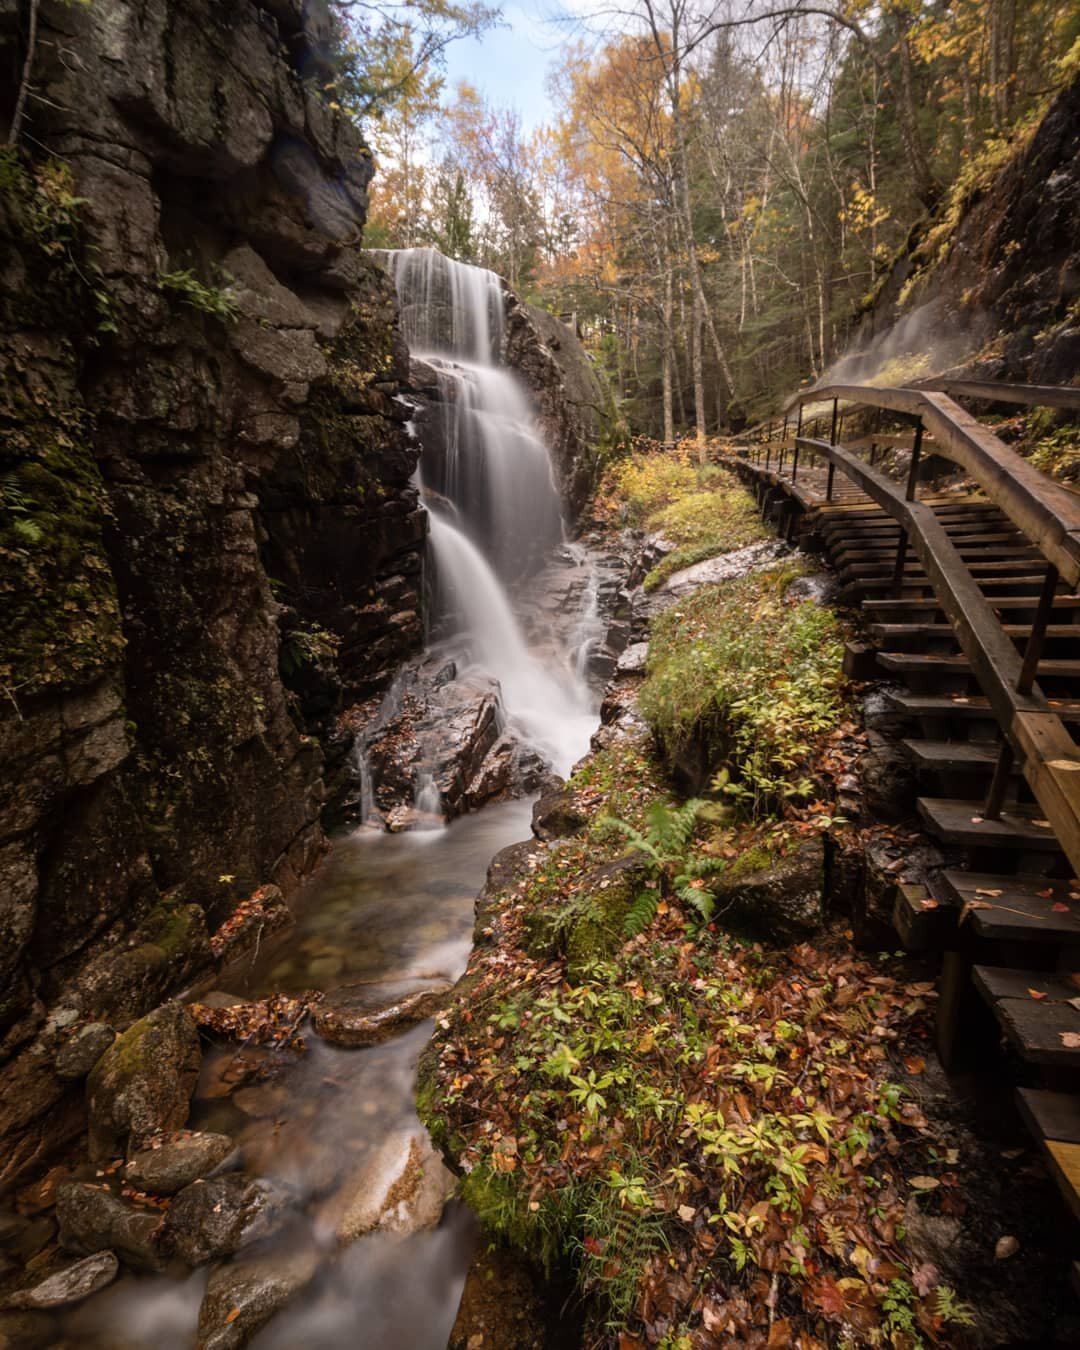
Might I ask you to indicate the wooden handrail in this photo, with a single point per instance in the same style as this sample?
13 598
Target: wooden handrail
994 391
1046 512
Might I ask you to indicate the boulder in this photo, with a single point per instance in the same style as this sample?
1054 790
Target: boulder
83 1049
93 1219
178 1163
778 897
212 1219
365 1014
71 1284
556 813
142 1085
243 1296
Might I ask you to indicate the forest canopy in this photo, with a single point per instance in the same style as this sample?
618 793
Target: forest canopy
720 191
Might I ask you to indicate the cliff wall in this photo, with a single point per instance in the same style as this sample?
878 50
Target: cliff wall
208 542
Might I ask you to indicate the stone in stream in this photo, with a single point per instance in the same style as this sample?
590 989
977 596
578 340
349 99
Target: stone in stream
178 1163
401 1187
93 1219
242 1296
83 1049
142 1085
365 1014
70 1285
212 1219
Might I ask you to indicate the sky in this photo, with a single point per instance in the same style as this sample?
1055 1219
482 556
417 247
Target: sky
509 64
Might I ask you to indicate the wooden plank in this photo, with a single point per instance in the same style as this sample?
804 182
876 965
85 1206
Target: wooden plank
962 822
1034 1026
1051 1115
1064 1160
952 756
882 632
997 602
961 705
1017 908
905 662
1004 391
1003 982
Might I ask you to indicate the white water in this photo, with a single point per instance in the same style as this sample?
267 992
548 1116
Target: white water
498 514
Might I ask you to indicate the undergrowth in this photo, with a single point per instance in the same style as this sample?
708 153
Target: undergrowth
755 677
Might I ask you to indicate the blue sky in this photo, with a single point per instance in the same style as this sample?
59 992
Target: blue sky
509 64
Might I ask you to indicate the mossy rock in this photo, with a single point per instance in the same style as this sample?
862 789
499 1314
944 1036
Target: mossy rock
142 1085
777 897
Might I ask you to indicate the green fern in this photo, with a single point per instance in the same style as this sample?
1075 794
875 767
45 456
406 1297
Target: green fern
642 913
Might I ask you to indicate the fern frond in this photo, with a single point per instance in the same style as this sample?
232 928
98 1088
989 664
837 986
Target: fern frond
642 912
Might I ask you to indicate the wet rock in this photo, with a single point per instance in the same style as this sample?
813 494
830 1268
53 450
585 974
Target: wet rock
143 1083
820 587
633 659
168 1169
22 1238
213 1219
781 898
401 1187
71 1284
723 568
365 1014
83 1050
243 1296
28 1331
556 813
93 1219
888 779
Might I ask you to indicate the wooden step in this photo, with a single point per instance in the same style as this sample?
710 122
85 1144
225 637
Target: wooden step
1054 1120
975 706
844 558
1034 1026
1002 602
953 756
962 822
910 582
905 663
882 632
981 571
1015 908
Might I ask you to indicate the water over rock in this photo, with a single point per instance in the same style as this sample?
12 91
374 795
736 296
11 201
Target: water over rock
242 1296
400 1187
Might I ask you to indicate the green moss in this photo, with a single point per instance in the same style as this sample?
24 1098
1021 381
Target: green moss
757 858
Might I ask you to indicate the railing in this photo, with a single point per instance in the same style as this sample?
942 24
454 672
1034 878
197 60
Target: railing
1047 514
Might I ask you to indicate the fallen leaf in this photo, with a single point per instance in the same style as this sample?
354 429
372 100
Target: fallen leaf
1006 1247
1037 993
1070 1039
232 1315
1073 1003
915 1064
969 905
1048 894
976 820
1059 908
686 1213
984 890
928 904
924 1278
925 1183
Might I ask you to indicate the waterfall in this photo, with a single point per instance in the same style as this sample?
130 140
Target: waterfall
491 492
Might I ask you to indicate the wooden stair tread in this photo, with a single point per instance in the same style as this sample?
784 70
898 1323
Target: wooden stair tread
997 602
1054 1119
958 755
1051 1115
883 631
962 822
1034 1026
975 706
920 661
1024 909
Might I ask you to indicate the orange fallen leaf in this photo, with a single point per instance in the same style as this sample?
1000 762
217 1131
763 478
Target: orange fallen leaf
1037 993
1070 1039
232 1315
1059 908
915 1064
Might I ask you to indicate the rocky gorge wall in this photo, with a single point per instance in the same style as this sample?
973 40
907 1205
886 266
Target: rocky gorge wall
209 542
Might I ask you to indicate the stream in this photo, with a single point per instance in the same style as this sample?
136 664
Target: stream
363 1249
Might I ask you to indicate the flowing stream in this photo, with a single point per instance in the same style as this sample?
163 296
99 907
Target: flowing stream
329 1128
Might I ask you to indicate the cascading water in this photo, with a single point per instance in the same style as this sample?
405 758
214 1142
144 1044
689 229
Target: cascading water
490 488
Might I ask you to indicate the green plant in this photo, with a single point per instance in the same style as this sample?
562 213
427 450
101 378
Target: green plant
664 844
307 647
189 290
950 1309
898 1307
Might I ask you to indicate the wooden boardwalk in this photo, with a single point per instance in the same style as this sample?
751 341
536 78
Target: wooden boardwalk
970 602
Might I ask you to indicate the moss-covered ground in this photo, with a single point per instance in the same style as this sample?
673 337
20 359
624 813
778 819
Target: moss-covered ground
713 1136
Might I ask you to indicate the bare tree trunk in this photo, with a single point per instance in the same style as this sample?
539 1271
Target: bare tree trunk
24 81
669 343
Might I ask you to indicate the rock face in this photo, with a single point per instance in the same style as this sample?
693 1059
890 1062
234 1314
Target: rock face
208 540
142 1084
